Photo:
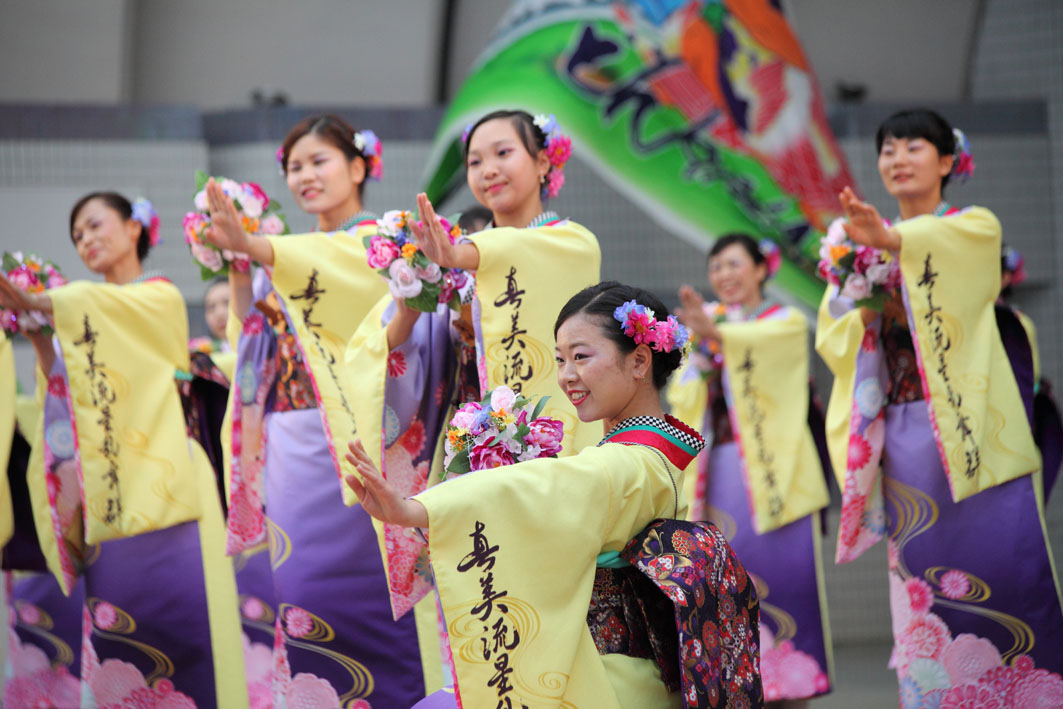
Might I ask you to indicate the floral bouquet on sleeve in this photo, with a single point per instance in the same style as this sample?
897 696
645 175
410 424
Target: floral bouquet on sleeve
410 275
259 214
867 275
32 274
503 429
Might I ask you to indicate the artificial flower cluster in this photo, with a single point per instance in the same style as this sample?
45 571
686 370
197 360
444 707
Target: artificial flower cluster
640 324
1011 261
33 275
866 275
144 212
369 145
558 151
411 276
772 255
258 214
503 429
963 160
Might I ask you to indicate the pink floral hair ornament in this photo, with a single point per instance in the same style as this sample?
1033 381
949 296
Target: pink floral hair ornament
558 148
368 144
1011 261
280 160
772 255
640 324
963 162
145 213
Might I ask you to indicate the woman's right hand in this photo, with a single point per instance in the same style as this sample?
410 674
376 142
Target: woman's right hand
435 241
401 325
226 231
379 497
691 313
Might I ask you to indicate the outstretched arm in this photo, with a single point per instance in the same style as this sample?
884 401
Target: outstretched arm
379 497
226 231
435 242
865 225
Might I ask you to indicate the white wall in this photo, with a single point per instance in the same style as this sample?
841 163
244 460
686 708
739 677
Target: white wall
53 51
902 50
213 53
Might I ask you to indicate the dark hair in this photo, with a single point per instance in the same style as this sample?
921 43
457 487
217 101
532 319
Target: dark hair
216 281
334 131
471 218
745 241
919 123
531 136
602 300
124 208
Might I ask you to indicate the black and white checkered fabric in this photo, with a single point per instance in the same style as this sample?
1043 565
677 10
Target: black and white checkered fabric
695 442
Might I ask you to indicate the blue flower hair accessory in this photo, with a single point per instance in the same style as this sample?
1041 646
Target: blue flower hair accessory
963 161
145 213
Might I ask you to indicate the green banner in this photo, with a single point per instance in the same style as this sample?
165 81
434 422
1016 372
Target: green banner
705 114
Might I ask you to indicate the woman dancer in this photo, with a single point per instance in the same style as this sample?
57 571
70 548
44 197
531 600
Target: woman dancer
925 394
120 495
413 367
761 482
545 593
290 405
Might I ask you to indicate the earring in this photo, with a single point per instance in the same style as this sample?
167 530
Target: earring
542 179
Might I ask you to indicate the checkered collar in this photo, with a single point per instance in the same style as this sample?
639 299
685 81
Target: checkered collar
679 443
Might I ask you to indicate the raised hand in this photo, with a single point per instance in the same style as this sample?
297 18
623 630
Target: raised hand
226 230
691 312
379 498
865 225
431 236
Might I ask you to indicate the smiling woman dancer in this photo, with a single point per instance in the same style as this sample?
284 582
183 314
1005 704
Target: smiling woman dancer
549 599
120 495
289 409
413 367
762 481
925 391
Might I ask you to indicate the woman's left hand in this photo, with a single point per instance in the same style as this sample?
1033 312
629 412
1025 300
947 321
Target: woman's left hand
865 225
379 497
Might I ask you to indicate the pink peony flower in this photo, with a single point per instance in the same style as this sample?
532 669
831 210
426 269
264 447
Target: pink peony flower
298 622
856 287
192 225
485 457
211 258
382 252
24 279
403 282
465 416
968 657
430 274
272 225
546 433
920 595
866 257
502 399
